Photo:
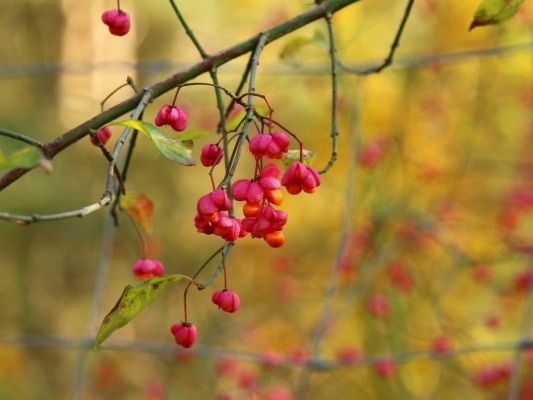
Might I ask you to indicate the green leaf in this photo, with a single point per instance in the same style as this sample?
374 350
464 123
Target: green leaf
191 135
4 162
26 157
134 299
237 119
179 151
294 155
492 12
293 46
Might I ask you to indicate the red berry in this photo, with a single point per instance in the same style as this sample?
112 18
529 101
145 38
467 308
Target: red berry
275 239
251 210
173 116
117 21
386 367
441 345
147 268
300 177
379 305
184 333
226 300
274 196
272 145
103 135
211 155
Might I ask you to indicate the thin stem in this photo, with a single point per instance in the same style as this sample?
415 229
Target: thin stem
225 251
109 187
20 137
527 340
102 103
225 272
64 141
140 234
344 243
250 110
188 30
193 280
388 60
334 98
176 96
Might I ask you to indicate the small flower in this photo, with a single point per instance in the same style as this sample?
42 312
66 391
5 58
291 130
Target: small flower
226 300
173 116
117 21
211 155
300 177
103 135
147 268
184 333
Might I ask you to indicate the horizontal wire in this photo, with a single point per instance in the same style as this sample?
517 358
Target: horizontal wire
46 69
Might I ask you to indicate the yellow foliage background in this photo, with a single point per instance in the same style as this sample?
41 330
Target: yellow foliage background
452 124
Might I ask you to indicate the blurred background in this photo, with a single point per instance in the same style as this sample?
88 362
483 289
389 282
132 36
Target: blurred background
407 275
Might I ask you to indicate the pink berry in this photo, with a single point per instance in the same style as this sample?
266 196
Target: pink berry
211 155
117 21
272 145
173 116
226 300
210 204
385 367
103 135
147 268
300 177
184 333
441 345
379 305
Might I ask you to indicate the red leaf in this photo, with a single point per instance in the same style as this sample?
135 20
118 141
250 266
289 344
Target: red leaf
140 208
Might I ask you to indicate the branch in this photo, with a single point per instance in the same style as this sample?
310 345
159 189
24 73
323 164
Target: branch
59 144
334 96
109 187
388 60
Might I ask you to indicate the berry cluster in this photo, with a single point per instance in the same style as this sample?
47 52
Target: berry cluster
260 194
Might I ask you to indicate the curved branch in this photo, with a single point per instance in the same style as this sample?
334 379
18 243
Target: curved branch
59 144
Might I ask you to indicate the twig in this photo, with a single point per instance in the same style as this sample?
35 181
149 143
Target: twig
109 187
334 98
261 41
20 137
59 144
344 243
388 60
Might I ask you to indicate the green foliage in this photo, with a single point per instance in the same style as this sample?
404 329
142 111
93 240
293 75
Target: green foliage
134 299
179 151
492 12
26 157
